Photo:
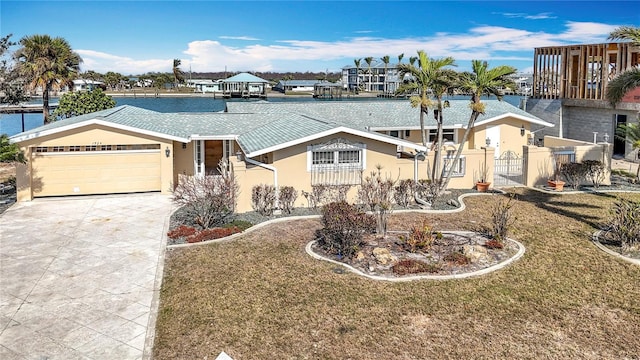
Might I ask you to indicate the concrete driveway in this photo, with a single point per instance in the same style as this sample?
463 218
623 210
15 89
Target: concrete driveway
80 276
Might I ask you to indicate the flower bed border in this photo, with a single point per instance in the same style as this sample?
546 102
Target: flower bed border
599 245
518 255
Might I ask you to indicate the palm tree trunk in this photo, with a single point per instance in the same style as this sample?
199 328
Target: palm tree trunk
422 131
45 103
472 120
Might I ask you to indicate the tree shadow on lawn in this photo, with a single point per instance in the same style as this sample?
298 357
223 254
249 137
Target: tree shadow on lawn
557 204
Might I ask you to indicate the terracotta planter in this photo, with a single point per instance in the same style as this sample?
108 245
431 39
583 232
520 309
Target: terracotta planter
482 186
558 185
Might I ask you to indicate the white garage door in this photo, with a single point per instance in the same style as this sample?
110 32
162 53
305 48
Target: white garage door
102 172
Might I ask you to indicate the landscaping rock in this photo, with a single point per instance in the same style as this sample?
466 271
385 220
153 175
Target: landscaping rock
474 252
453 202
383 256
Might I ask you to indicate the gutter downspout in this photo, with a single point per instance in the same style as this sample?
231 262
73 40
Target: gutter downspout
415 179
275 176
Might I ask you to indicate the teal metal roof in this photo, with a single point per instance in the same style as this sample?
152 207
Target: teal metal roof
258 126
380 115
245 77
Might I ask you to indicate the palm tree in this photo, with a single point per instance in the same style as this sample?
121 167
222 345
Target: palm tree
430 74
630 79
177 73
47 62
357 64
400 58
482 81
385 59
412 60
631 134
368 60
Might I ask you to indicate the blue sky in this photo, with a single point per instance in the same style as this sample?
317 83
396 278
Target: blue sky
134 37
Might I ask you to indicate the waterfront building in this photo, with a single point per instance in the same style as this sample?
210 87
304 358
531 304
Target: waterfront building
569 90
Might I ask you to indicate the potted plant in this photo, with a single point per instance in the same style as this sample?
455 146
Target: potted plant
482 185
555 182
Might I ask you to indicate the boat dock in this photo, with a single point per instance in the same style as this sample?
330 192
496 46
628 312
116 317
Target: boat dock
25 108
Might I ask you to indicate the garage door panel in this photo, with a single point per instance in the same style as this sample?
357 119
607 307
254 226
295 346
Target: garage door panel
80 174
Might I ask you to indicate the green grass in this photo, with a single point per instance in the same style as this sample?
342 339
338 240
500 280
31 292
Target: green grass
262 297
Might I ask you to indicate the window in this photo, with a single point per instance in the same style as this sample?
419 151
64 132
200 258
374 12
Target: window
121 147
74 148
337 153
91 148
459 168
105 147
41 149
447 135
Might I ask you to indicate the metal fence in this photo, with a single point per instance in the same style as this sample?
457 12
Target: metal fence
336 175
508 170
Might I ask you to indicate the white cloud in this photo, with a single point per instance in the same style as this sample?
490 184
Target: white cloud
491 43
539 16
247 38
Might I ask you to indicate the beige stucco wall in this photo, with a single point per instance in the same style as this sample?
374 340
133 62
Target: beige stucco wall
539 164
510 137
27 177
291 166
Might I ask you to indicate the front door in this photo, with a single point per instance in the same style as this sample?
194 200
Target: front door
493 134
619 145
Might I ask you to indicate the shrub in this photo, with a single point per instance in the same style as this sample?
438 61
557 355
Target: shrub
343 228
456 258
427 190
209 199
502 218
181 231
240 224
595 171
624 224
287 198
263 199
377 193
403 192
413 266
574 173
212 234
316 196
337 193
420 237
494 244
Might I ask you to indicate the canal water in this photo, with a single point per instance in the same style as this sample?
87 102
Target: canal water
11 124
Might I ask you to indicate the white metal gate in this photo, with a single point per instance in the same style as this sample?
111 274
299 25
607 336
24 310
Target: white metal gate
508 170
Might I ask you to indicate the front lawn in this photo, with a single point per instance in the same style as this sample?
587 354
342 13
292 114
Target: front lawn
262 297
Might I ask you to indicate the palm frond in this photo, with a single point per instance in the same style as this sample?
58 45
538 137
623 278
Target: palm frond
622 84
630 33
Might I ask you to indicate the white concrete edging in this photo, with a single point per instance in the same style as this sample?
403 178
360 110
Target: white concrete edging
597 243
484 271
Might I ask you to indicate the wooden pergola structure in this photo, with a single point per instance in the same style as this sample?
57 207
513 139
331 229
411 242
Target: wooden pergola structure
580 71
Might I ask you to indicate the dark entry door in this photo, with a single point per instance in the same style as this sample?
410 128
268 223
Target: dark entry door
618 143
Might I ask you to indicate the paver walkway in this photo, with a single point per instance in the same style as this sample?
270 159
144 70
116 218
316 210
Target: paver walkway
79 277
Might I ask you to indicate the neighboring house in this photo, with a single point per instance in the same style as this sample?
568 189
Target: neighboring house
205 85
128 149
378 80
87 85
295 85
244 85
569 90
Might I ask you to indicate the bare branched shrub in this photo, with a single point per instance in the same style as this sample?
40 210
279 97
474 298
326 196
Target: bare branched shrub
317 196
403 192
209 200
624 224
287 198
263 199
502 218
337 193
428 190
595 171
377 193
